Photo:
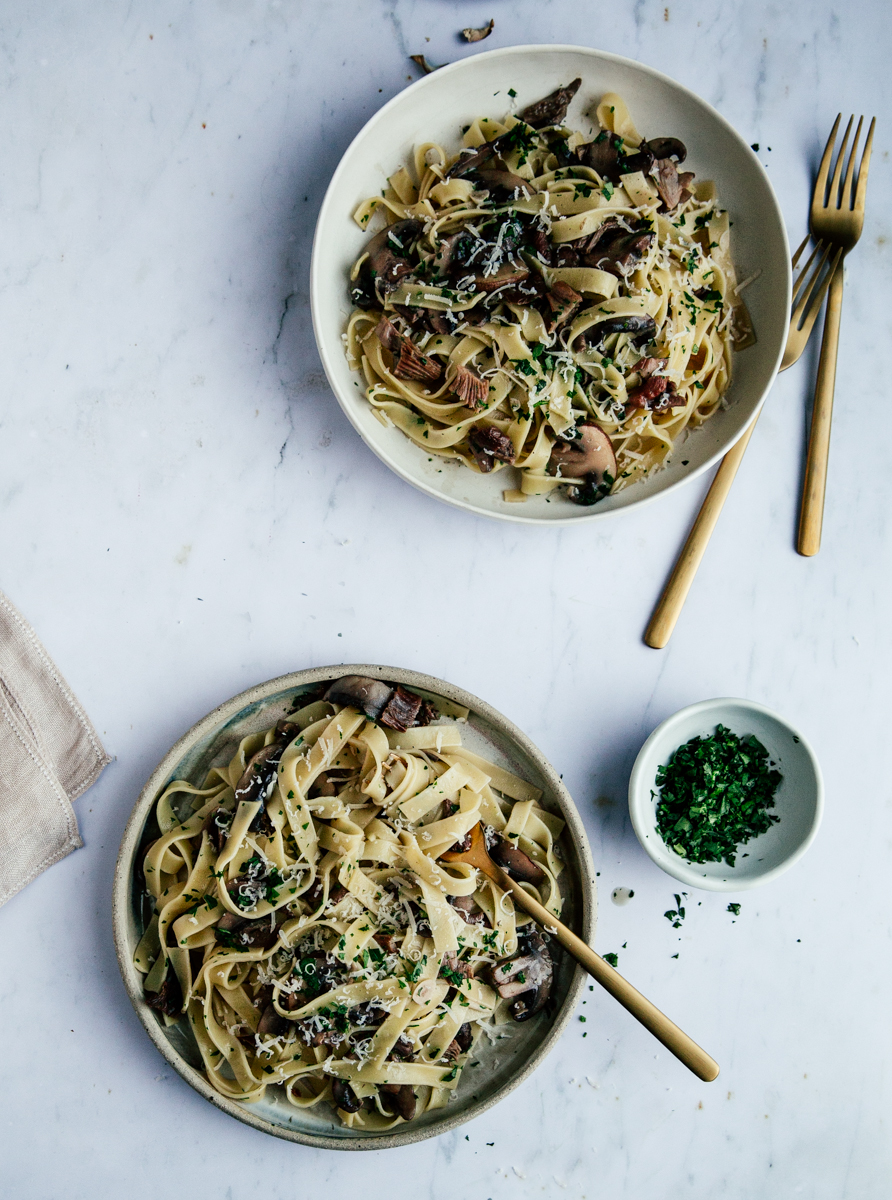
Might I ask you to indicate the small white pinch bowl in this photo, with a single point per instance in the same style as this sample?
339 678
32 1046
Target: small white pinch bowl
435 108
799 800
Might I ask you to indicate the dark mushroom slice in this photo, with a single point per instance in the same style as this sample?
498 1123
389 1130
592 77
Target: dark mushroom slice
507 274
589 457
551 109
169 997
218 824
465 1037
401 709
641 326
656 393
470 388
515 863
665 147
503 185
403 1049
399 1098
563 301
392 705
603 155
621 253
259 777
650 366
472 160
672 187
272 1024
467 908
542 247
344 1096
387 253
489 445
527 976
411 363
643 161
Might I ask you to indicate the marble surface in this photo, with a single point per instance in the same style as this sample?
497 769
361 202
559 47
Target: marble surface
185 511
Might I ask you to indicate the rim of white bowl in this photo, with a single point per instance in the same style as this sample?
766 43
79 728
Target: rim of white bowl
328 201
641 783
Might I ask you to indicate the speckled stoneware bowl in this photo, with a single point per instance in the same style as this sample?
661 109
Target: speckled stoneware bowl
212 742
434 109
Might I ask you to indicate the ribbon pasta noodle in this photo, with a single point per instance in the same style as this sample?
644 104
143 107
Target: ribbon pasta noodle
564 307
306 925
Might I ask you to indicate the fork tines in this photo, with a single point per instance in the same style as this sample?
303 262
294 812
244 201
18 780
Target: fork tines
847 192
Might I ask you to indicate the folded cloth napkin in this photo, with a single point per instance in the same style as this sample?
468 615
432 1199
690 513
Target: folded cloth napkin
49 754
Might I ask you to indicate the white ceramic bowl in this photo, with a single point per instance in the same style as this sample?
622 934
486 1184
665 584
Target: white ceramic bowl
498 1069
799 801
434 109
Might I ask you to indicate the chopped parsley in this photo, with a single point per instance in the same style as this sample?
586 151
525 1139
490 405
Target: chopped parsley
714 796
611 958
734 908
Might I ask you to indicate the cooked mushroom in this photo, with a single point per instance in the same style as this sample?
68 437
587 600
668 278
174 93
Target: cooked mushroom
513 860
508 273
642 327
620 254
470 388
552 109
603 155
217 825
421 61
272 1024
387 263
259 778
590 453
477 35
503 185
169 997
411 363
656 393
650 366
468 909
665 147
399 1097
563 302
472 160
344 1096
489 445
528 975
392 705
403 1049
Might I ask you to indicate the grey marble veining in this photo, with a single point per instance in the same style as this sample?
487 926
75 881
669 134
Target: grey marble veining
185 511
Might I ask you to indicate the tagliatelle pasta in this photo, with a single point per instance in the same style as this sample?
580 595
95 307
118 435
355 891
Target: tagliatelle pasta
305 923
562 306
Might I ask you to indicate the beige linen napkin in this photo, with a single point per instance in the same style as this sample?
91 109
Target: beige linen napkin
49 754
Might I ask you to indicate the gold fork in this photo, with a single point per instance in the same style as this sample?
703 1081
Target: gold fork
837 217
808 295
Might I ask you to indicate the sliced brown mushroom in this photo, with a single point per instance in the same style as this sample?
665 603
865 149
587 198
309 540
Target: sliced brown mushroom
507 274
272 1024
552 109
665 147
603 155
656 393
344 1096
620 254
674 189
468 909
641 327
472 160
217 824
400 1098
470 388
650 366
489 445
503 185
392 705
259 776
513 860
403 1050
590 453
411 363
387 263
563 302
169 997
527 976
477 35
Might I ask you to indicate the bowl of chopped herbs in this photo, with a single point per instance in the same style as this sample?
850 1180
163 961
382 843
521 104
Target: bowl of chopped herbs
726 795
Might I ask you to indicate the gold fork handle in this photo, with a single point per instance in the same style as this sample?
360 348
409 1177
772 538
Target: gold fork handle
670 604
811 515
674 1039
